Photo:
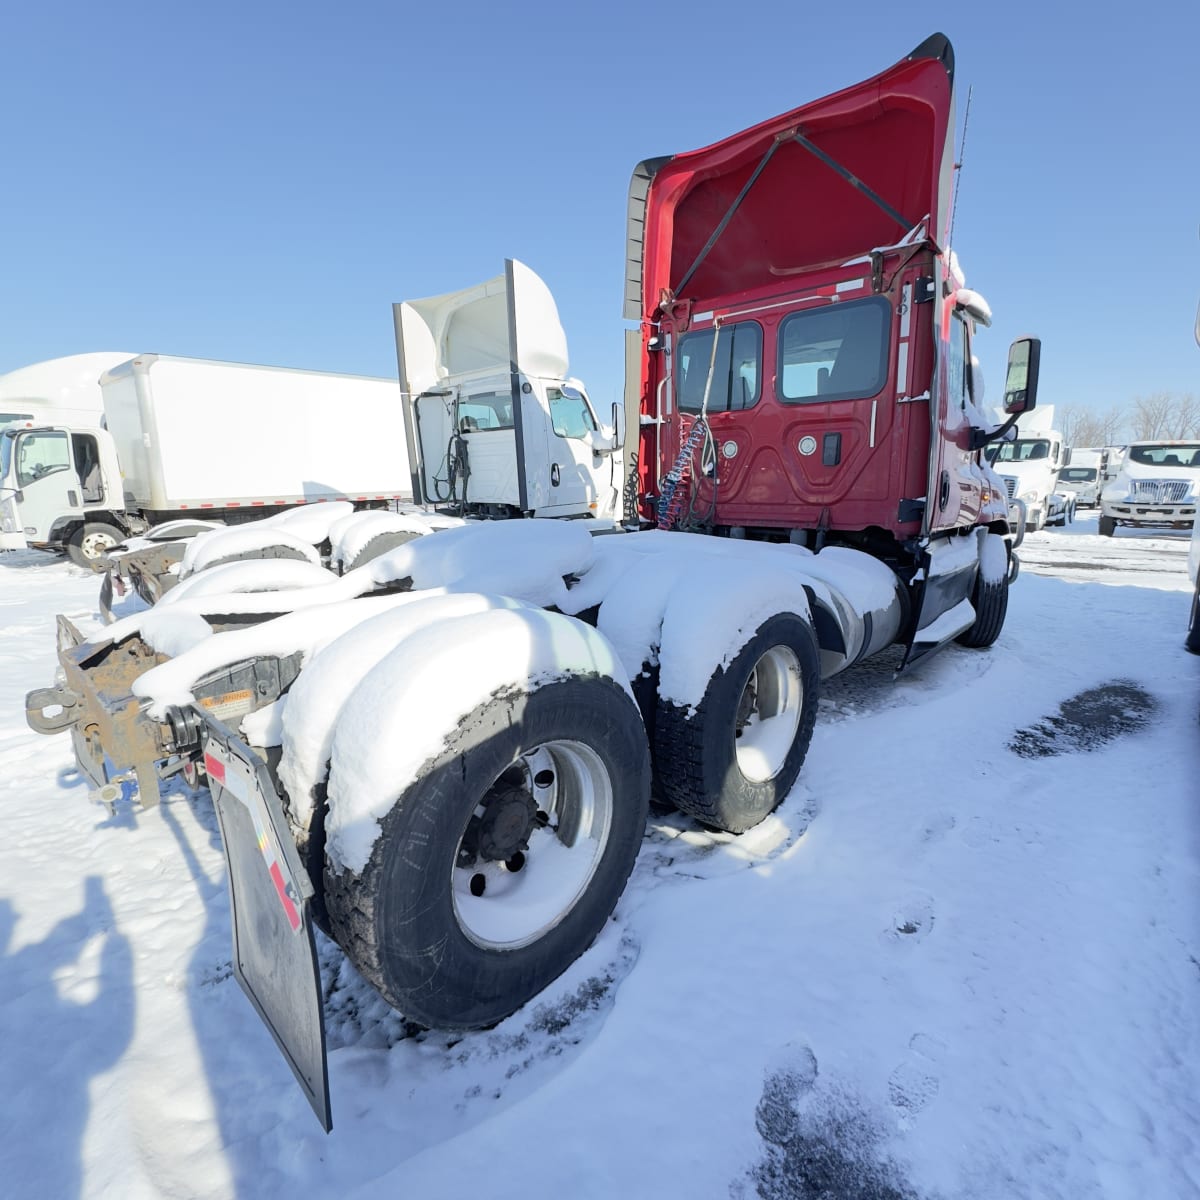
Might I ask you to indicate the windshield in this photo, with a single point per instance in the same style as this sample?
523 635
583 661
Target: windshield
1022 450
6 445
1078 475
1173 455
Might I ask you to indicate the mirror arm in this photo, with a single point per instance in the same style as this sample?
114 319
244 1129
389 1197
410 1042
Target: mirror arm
981 438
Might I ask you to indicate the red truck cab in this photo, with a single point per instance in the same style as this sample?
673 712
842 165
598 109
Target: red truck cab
837 404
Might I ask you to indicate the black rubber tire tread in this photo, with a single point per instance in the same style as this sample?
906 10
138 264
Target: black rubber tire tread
695 757
1108 526
276 551
1193 634
75 543
396 919
990 602
381 543
310 846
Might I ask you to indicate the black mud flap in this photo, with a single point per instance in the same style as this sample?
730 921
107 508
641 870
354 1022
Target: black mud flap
936 605
274 952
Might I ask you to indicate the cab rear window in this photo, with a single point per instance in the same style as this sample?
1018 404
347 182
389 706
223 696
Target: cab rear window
736 371
838 352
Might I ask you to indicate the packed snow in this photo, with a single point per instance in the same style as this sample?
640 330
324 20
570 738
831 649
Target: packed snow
961 960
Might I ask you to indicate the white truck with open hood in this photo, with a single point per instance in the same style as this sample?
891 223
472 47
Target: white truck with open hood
497 427
1030 465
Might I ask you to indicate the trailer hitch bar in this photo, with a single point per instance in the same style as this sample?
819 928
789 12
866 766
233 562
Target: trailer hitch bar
40 699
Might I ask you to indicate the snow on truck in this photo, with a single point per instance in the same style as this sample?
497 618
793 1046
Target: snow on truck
444 756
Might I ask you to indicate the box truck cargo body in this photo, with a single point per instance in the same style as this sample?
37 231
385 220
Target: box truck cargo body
192 433
196 437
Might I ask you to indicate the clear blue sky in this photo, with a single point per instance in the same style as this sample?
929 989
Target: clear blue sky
259 181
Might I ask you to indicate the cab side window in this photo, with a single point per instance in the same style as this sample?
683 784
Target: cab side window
570 416
40 454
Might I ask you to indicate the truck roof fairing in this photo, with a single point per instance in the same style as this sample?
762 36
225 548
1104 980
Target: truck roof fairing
834 178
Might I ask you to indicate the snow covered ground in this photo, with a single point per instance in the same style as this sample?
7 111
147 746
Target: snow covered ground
962 960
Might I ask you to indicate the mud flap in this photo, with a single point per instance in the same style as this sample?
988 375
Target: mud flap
274 951
941 612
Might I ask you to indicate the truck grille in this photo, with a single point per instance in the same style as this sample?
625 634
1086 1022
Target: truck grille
1010 485
1159 491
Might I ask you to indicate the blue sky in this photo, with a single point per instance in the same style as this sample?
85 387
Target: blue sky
259 182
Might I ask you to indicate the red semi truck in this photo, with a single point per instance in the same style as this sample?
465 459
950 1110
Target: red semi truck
446 755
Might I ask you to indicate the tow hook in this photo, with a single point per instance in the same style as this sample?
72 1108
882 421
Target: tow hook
37 701
1014 567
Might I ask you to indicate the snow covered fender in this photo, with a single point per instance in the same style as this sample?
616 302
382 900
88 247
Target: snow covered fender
274 951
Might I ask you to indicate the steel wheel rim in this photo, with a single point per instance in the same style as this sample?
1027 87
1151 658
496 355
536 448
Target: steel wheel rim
94 545
774 696
571 785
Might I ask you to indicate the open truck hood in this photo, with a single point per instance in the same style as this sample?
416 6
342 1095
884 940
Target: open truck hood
830 180
509 322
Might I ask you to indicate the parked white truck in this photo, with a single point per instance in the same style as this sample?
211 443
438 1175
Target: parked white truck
59 391
1158 486
198 438
1030 465
496 426
1085 477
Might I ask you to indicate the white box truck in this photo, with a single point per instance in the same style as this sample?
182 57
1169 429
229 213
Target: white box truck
191 437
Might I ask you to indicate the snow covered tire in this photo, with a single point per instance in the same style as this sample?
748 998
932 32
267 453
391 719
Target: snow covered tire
700 766
381 543
406 921
989 599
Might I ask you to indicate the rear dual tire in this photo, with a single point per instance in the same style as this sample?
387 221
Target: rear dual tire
732 759
451 952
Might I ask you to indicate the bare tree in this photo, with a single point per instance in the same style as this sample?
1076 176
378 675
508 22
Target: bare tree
1086 427
1152 416
1166 416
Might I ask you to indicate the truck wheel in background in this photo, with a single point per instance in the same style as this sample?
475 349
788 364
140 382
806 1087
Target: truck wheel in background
1193 634
989 599
1108 526
380 544
88 545
732 760
499 866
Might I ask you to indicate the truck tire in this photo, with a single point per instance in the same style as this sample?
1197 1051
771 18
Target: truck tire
380 544
274 551
1108 526
1193 634
721 762
88 545
989 599
444 919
